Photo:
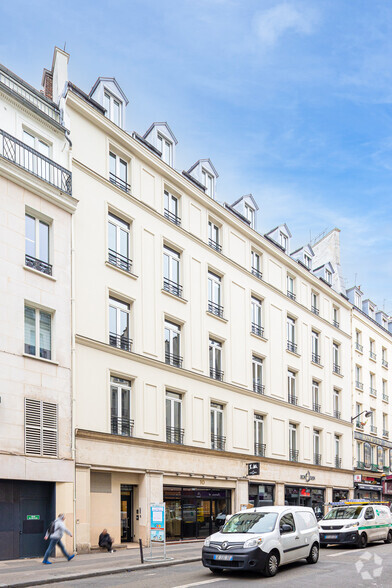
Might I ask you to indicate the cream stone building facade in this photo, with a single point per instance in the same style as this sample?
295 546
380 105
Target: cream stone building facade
36 207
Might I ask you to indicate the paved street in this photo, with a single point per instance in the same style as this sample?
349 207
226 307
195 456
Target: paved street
336 567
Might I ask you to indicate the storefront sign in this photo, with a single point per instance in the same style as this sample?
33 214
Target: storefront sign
157 523
376 487
357 477
253 469
307 477
373 440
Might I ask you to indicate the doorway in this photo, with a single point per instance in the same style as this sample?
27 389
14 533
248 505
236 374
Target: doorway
126 513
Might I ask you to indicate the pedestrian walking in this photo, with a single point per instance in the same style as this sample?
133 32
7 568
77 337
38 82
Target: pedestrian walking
55 535
106 541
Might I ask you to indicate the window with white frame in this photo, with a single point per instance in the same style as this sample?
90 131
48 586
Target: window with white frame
217 439
118 171
384 357
336 358
357 300
290 287
215 359
171 271
119 324
336 403
371 311
385 430
119 242
215 294
213 236
385 390
37 244
328 276
316 396
315 347
257 375
359 454
316 447
293 450
120 398
256 264
335 316
113 108
256 316
358 341
284 241
171 207
38 332
166 148
291 387
372 349
258 427
307 261
372 380
358 377
41 428
33 162
173 344
174 432
338 460
291 344
208 182
250 215
315 303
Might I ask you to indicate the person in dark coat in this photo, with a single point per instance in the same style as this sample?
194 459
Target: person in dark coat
106 541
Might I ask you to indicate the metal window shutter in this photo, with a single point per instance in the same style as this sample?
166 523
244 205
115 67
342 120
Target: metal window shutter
49 429
32 426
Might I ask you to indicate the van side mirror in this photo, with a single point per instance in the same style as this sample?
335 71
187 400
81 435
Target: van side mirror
285 528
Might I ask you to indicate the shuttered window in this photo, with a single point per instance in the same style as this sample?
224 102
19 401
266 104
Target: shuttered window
41 435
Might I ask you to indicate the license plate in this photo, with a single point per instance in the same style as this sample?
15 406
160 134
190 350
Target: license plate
223 557
330 536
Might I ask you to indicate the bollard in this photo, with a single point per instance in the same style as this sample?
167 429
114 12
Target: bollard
141 551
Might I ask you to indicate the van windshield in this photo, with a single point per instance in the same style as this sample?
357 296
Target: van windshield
346 512
251 522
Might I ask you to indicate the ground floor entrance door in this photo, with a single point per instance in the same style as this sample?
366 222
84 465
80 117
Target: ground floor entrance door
126 513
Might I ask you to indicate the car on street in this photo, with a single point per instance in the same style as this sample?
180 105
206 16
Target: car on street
262 539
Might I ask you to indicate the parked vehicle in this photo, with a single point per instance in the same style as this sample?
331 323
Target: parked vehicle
356 524
262 539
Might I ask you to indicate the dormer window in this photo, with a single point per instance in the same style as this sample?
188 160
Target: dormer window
284 241
307 261
250 215
208 182
357 300
166 148
113 108
371 311
328 276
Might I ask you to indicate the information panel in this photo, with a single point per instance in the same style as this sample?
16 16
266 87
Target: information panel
157 523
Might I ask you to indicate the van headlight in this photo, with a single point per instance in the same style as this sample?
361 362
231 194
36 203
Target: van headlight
351 525
254 542
207 542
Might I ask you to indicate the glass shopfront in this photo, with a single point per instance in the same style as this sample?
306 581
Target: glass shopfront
338 495
195 512
305 496
368 489
261 494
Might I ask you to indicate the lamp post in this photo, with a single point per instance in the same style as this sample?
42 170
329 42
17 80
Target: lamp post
368 413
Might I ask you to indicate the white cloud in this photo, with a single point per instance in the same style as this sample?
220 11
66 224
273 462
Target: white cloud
278 20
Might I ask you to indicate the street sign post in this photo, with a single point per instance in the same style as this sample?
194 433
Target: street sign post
157 530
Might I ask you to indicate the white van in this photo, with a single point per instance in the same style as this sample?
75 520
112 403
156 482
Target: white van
262 539
356 524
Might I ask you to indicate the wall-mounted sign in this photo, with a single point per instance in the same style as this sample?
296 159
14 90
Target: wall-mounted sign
357 477
253 469
33 517
307 477
373 440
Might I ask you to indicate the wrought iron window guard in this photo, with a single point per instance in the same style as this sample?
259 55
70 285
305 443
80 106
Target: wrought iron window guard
38 264
172 217
172 359
119 260
120 341
122 184
175 435
216 309
172 287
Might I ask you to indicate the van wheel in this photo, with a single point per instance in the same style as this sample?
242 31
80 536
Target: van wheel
272 564
314 554
362 541
389 537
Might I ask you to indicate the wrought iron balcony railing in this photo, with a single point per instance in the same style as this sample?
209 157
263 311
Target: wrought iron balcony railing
317 459
260 449
336 414
119 260
338 462
172 359
257 330
360 465
258 388
292 399
172 287
172 217
358 347
175 435
216 374
316 407
291 295
35 163
385 397
386 469
374 467
385 433
384 363
121 426
120 341
372 355
373 392
38 264
373 429
216 309
218 442
291 346
336 368
336 324
359 385
315 358
122 184
257 273
293 454
315 310
215 245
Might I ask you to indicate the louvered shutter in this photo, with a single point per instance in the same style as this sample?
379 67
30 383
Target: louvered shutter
49 429
32 426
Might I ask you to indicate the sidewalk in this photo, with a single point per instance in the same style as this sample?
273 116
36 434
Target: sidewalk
31 572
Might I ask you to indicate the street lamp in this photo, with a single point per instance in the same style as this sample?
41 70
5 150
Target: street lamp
368 413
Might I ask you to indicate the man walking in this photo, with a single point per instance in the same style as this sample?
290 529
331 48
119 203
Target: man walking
55 539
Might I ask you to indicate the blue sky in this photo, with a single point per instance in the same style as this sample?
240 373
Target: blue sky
291 100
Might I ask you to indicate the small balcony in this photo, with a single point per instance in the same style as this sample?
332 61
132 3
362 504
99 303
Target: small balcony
35 163
359 425
317 459
336 324
385 397
37 264
218 442
291 399
372 355
385 433
338 462
257 330
291 346
175 435
315 310
258 388
316 358
336 414
373 392
215 245
386 469
119 260
360 465
316 407
172 359
293 454
373 429
291 295
122 184
172 287
336 369
384 363
260 449
358 347
374 467
257 273
359 385
216 375
120 341
172 217
121 426
215 309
